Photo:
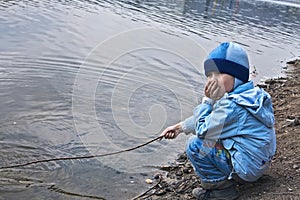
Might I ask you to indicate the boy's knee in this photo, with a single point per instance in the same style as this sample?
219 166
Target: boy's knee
191 145
194 147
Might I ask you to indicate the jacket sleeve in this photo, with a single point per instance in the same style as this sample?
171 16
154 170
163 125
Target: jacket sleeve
211 121
188 125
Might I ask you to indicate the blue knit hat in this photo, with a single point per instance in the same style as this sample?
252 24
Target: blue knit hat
229 58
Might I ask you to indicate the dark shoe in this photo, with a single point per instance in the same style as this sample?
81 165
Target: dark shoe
229 193
198 192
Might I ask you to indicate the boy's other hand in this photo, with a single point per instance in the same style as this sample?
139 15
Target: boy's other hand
172 131
213 90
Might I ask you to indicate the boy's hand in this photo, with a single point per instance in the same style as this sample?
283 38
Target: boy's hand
213 90
172 131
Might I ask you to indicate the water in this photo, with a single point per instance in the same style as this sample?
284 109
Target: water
91 77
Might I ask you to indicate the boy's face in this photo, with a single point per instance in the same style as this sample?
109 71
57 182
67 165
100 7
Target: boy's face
218 84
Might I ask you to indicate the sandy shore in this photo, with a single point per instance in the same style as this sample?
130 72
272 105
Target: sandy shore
283 178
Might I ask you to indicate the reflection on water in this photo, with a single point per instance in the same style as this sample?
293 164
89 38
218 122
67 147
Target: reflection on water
83 77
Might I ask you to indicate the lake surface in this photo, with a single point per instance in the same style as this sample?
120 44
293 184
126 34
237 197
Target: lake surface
92 77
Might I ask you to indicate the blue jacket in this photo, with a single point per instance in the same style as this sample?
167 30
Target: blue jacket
244 121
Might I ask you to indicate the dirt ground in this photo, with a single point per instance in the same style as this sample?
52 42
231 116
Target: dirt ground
282 181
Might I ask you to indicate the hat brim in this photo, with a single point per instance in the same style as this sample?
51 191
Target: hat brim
226 66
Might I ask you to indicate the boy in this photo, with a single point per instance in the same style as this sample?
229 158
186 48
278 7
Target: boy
233 126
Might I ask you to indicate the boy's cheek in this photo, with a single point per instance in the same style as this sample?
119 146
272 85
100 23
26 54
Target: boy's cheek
222 92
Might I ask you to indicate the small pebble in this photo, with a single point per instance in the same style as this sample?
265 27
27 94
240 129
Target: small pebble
160 192
149 181
14 123
179 173
295 166
157 176
187 170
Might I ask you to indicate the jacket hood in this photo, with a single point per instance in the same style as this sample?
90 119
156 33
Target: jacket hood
256 101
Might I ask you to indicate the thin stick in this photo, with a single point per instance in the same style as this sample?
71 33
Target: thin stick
82 157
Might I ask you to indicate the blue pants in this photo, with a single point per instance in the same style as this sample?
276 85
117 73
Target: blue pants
211 163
